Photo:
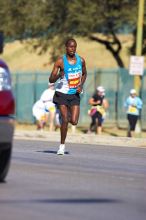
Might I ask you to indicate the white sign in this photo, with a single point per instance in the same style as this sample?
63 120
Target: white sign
136 66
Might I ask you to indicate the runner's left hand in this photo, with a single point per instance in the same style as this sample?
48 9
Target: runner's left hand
79 89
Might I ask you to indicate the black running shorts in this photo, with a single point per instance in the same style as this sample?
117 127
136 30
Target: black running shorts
66 99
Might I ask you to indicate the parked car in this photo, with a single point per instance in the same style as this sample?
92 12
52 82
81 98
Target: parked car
7 119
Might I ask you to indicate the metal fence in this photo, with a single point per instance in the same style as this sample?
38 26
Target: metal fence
28 87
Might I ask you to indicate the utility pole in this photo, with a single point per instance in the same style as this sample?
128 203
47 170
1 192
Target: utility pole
139 39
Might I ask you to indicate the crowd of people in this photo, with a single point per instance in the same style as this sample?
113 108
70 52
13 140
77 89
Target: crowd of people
46 111
59 105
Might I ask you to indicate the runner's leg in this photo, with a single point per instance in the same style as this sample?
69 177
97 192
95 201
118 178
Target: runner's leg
51 120
64 123
75 111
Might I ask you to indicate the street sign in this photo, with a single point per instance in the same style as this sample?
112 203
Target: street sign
136 66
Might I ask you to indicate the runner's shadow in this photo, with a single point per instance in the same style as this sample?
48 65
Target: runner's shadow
63 200
50 152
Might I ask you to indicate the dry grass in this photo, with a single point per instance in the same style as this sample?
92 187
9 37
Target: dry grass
95 54
107 131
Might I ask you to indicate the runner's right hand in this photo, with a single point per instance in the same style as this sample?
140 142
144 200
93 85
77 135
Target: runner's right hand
61 74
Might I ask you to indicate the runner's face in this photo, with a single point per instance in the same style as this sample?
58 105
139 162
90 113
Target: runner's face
100 93
133 95
71 48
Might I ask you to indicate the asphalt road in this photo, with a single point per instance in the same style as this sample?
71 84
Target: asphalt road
88 183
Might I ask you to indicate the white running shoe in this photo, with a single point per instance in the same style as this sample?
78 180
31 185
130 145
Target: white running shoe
61 149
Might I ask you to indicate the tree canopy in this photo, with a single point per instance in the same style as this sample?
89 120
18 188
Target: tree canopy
47 23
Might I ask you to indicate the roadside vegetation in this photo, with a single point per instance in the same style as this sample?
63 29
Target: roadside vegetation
21 59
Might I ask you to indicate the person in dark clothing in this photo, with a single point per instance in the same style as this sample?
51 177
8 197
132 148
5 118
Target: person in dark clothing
98 109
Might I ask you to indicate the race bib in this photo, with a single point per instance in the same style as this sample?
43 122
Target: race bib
74 80
132 109
52 109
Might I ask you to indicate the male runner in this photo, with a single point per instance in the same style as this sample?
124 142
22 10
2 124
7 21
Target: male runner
70 71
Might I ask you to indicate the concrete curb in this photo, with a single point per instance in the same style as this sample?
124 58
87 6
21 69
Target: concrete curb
81 138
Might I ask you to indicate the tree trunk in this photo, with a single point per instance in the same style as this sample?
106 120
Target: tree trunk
109 46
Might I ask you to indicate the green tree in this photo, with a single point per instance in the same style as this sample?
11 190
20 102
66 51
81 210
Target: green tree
108 16
47 23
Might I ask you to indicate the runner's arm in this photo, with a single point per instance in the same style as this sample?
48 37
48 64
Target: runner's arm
57 71
84 72
84 76
93 102
105 104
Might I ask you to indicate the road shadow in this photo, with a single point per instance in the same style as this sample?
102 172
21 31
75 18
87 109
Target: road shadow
78 200
63 201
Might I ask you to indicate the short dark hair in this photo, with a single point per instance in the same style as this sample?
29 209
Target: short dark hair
69 40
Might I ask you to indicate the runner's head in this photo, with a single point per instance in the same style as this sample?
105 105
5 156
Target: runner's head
100 91
71 46
133 92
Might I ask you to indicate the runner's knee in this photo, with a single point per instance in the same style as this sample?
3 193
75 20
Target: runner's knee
64 120
74 122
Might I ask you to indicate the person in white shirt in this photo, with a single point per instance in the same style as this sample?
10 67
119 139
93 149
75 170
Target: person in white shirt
47 99
39 112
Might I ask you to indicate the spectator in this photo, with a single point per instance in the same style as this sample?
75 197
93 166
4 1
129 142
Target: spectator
40 114
133 105
47 99
98 110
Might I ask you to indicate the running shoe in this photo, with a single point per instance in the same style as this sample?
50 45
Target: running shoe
61 149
